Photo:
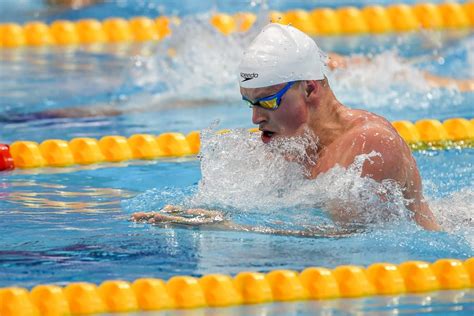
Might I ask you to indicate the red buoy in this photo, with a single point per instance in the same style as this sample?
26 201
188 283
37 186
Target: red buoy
6 160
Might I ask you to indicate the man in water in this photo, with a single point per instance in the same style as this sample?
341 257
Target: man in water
76 4
282 77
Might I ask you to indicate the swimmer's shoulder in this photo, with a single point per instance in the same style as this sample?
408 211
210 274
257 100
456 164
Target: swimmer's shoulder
362 118
366 133
369 133
370 126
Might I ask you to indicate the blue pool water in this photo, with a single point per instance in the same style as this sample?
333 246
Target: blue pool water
23 10
71 224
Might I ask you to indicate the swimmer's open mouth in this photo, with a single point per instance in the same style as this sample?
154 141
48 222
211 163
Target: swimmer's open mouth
267 136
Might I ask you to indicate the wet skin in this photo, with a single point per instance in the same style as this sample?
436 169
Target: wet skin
172 214
343 135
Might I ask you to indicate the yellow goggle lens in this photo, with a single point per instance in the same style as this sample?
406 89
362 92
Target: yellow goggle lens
270 104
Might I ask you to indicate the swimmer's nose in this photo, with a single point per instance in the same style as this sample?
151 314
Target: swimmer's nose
258 115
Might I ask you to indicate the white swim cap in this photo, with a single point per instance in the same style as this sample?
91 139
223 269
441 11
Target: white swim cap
279 54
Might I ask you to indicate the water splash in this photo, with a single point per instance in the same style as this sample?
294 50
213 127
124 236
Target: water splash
455 213
240 172
266 186
388 81
197 62
155 199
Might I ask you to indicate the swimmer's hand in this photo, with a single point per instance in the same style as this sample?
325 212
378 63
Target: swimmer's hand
177 215
171 214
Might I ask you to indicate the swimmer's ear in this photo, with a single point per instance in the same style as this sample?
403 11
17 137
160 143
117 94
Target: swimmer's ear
310 86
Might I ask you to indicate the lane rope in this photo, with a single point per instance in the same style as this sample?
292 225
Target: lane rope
219 290
372 19
425 134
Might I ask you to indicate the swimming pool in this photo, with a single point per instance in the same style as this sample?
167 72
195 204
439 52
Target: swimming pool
61 225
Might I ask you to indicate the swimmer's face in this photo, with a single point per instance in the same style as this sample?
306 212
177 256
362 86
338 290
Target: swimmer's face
291 117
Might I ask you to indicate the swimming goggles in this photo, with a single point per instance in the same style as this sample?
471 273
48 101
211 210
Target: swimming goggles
271 102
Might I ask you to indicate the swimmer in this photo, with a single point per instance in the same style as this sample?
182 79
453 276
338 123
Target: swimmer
282 76
176 215
337 61
75 4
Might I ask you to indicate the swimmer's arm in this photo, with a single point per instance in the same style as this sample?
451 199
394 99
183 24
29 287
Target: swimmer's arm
390 167
417 204
106 110
76 4
393 164
172 214
80 112
337 61
178 215
463 85
390 163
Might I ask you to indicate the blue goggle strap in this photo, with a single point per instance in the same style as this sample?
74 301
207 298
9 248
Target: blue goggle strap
277 95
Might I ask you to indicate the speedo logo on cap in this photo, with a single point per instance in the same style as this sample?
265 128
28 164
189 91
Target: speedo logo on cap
248 76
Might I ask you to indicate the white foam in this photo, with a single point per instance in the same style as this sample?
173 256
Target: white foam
455 212
195 62
204 63
242 174
264 185
388 81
